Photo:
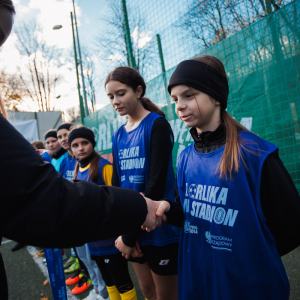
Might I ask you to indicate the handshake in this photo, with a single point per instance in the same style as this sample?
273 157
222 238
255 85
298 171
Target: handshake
155 216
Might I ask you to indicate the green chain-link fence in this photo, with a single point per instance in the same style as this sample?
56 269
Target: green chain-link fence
258 42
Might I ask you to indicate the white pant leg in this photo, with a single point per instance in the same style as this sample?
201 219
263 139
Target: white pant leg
101 284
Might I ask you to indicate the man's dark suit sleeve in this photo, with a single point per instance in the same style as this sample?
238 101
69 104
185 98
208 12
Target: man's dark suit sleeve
40 208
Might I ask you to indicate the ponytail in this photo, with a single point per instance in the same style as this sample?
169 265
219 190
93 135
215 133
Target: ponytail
232 152
149 105
2 108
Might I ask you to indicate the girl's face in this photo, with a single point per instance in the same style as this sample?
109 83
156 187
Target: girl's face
196 109
122 97
81 148
62 136
52 144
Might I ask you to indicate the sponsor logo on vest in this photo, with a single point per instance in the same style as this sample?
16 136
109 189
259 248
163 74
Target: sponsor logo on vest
69 175
129 159
188 228
164 262
106 261
136 179
209 211
218 242
123 178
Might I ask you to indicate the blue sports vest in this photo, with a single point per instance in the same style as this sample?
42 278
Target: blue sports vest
46 157
226 249
67 167
56 162
105 247
132 155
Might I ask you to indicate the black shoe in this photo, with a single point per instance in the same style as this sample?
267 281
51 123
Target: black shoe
17 246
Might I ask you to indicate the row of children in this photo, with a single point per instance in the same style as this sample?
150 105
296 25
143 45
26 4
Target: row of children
236 203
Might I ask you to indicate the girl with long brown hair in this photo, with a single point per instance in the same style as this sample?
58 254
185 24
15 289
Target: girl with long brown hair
235 197
142 151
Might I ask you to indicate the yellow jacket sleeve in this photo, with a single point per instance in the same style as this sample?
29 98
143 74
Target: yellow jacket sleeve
107 172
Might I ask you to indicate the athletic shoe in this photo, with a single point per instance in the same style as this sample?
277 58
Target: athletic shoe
74 279
70 262
94 296
64 257
83 284
74 267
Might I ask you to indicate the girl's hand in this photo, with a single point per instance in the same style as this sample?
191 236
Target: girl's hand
162 207
137 252
126 251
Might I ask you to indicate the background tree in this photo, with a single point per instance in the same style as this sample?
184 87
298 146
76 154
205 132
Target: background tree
37 75
111 43
211 21
72 114
89 76
12 90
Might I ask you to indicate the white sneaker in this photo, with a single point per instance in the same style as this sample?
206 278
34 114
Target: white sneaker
94 296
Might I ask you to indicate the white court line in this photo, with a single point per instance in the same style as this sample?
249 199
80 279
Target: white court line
39 262
6 242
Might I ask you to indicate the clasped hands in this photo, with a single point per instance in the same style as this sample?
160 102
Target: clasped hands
155 216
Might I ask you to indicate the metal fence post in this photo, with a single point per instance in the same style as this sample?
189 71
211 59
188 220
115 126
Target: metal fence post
81 68
163 69
76 66
127 34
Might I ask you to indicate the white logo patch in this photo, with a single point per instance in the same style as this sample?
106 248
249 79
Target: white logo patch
106 261
164 262
218 242
188 228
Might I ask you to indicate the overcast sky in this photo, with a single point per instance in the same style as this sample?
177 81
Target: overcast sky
47 13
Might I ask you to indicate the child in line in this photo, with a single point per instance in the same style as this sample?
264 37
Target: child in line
239 206
142 151
82 143
92 167
67 167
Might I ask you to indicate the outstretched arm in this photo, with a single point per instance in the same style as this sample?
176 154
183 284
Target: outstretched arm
39 207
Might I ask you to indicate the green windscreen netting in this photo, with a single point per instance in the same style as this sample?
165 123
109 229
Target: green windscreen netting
258 42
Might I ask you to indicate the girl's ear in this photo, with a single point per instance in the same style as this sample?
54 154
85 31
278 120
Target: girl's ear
218 103
139 91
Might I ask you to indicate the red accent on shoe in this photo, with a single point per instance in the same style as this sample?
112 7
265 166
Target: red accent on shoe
80 289
74 279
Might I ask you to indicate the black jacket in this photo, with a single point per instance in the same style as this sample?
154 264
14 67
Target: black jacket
40 208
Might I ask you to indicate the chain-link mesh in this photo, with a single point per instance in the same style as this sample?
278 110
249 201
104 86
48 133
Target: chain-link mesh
258 42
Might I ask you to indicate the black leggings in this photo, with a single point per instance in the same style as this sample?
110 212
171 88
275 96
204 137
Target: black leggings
114 270
81 264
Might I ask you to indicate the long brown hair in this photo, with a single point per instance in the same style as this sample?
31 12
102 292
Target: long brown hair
133 79
93 169
232 154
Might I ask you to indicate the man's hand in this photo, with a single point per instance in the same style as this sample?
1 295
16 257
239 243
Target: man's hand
161 208
126 251
152 221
